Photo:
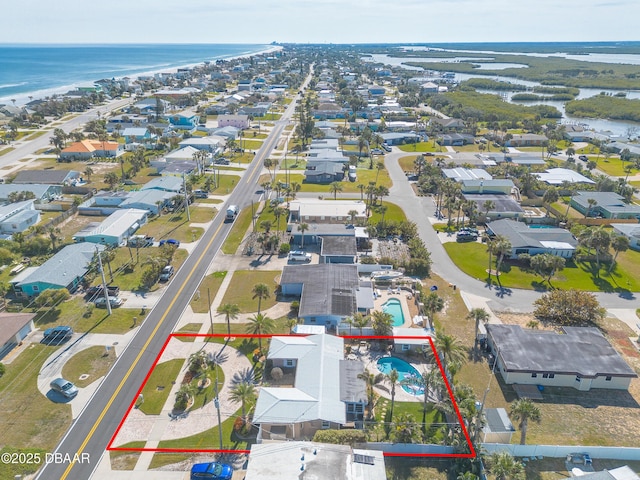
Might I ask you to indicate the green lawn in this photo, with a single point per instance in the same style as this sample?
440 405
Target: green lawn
205 395
364 177
238 231
28 417
394 213
246 157
93 361
156 390
472 258
243 281
421 147
250 144
176 225
210 283
6 150
128 266
614 167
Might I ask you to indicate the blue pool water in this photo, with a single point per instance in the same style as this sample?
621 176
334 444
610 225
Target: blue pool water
394 307
405 370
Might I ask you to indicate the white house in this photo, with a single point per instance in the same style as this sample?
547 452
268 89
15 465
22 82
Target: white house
238 121
17 217
629 230
115 229
580 358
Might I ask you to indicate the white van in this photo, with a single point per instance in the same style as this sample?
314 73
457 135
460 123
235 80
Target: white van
299 256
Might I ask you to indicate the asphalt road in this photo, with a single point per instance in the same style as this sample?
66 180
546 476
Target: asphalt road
91 432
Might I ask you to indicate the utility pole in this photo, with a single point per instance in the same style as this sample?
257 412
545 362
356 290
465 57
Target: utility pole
217 404
210 316
104 282
186 197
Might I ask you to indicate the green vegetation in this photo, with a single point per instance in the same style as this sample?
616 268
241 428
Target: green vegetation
6 150
605 106
472 258
189 328
12 469
157 389
238 231
177 226
93 361
210 283
239 291
490 84
420 147
160 459
28 417
393 214
250 144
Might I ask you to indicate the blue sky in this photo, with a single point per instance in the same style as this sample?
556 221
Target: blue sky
317 21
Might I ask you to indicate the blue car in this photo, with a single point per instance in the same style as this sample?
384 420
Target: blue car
170 241
211 471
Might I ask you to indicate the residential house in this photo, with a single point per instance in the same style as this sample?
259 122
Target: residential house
323 172
165 184
322 461
411 340
208 144
400 138
607 205
312 211
228 132
49 177
328 292
456 139
526 140
43 192
14 328
64 270
339 249
629 230
115 229
326 392
184 154
376 90
87 149
503 206
175 169
459 174
182 121
318 231
447 124
620 473
152 200
534 241
18 217
580 357
560 176
429 87
137 135
238 121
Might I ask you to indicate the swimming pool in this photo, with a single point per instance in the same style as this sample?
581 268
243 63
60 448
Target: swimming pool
405 371
394 307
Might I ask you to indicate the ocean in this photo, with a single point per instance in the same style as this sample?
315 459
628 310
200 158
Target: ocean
42 70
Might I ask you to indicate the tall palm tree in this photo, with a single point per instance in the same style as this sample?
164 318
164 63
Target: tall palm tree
54 236
360 321
260 291
406 430
524 410
450 349
260 324
502 247
382 323
478 315
371 380
392 377
230 311
243 393
619 243
600 241
335 188
88 172
278 212
303 227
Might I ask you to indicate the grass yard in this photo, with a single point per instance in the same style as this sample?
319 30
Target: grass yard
95 362
160 459
614 167
18 470
394 214
156 390
250 144
129 265
238 231
4 151
27 417
472 258
126 460
267 215
36 135
176 225
364 177
243 281
246 157
211 284
421 147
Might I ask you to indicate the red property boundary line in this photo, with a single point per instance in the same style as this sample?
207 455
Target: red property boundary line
471 454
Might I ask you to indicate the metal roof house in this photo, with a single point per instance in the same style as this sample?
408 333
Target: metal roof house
150 200
608 205
326 391
50 177
629 230
580 358
64 270
17 217
115 229
41 192
534 241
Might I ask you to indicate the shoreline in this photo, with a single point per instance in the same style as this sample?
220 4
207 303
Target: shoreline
23 98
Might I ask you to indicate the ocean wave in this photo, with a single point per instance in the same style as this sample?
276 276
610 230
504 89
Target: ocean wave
11 85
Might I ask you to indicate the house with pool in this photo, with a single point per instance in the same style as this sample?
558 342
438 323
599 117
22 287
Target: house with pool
319 390
329 293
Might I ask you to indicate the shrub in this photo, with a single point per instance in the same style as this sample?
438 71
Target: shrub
340 437
2 369
276 373
285 248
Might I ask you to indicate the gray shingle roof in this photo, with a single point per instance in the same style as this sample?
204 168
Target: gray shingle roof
520 235
335 245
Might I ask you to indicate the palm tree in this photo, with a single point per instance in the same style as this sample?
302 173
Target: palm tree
433 303
361 186
371 380
382 323
406 430
88 172
243 392
487 206
54 236
505 467
260 324
550 195
359 321
392 377
619 243
592 203
260 291
478 315
450 350
335 187
502 247
230 311
599 240
524 410
379 167
278 212
303 227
